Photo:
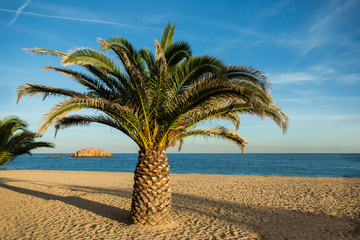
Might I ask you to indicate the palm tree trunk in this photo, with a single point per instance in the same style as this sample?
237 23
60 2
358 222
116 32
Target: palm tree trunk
151 199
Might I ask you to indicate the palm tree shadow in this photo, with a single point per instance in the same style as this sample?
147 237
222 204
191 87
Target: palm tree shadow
125 193
269 223
281 222
104 210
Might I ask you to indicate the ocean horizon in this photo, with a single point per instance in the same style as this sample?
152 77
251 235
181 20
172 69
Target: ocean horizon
259 164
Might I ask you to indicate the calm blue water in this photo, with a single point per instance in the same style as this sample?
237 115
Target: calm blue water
327 165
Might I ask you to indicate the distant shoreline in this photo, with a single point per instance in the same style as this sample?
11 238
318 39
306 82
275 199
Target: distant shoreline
207 153
204 174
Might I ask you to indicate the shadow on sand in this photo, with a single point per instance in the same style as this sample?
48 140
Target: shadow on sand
269 223
100 209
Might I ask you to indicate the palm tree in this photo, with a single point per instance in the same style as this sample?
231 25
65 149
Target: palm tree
157 100
16 140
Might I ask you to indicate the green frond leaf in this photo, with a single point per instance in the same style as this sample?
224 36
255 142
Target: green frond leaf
218 132
179 51
167 36
248 74
45 51
84 56
278 117
16 140
79 120
31 89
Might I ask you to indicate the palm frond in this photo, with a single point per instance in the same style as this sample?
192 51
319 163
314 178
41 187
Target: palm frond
59 111
217 132
119 83
31 89
179 51
105 85
278 117
18 139
10 125
212 89
130 120
127 54
193 68
120 43
127 60
15 139
80 120
5 157
46 51
85 56
30 146
167 36
148 57
249 74
160 83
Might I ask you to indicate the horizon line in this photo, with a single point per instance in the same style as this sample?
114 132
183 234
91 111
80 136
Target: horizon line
223 153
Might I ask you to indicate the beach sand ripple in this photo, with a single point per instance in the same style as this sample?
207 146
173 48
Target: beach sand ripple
95 205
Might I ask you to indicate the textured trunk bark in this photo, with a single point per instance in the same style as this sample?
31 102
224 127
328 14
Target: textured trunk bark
151 199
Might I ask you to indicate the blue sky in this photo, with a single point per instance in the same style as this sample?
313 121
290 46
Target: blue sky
310 50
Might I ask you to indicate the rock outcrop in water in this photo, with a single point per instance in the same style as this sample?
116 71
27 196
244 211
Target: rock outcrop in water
91 152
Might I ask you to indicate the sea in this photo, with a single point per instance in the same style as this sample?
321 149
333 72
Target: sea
260 164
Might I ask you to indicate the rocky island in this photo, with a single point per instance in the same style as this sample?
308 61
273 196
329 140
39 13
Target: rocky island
91 152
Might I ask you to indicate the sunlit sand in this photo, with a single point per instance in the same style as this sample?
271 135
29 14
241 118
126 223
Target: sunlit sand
95 205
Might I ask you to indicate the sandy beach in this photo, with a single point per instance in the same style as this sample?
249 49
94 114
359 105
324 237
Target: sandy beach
95 205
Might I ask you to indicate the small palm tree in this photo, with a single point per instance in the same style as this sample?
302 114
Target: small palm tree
16 140
157 100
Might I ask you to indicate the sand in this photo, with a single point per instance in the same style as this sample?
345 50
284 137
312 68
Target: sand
95 205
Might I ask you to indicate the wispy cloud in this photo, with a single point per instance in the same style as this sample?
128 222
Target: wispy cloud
322 69
275 10
291 100
157 18
7 68
314 75
311 97
18 12
315 117
303 92
350 78
293 77
79 19
325 28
